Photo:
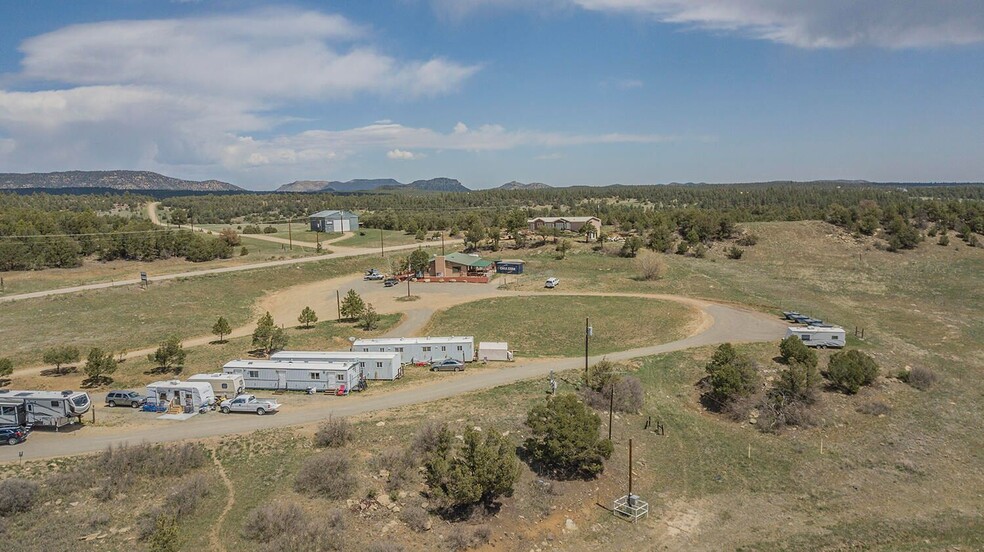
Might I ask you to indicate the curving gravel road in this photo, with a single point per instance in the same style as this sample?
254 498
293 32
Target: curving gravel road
727 323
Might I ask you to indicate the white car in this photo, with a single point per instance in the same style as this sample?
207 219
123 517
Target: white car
551 283
249 403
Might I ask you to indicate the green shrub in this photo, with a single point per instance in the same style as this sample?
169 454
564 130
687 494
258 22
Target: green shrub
793 349
333 433
799 381
326 475
479 471
850 370
17 495
565 441
731 375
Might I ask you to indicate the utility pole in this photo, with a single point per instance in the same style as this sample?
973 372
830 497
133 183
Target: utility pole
630 469
587 334
290 235
442 243
408 287
611 408
338 302
381 254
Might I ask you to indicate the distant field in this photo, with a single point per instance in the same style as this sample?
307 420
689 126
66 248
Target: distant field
298 231
369 237
554 326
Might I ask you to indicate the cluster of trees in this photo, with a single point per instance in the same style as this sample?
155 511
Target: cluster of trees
31 238
355 309
735 384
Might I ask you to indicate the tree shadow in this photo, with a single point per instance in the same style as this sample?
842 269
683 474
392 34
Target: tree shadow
58 372
4 382
218 342
707 399
469 511
158 370
546 471
96 381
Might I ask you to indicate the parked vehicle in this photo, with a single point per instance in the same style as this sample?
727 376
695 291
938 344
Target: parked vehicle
373 274
450 364
551 283
44 408
13 435
125 398
249 403
390 282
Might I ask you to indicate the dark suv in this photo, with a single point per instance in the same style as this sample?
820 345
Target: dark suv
12 435
125 398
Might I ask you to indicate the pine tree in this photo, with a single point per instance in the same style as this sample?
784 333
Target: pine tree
99 366
352 305
6 367
307 317
221 328
369 319
565 439
479 471
169 354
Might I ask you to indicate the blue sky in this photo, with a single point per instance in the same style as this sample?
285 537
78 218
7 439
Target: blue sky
570 92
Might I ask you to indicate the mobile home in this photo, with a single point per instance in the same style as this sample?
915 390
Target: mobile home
228 385
298 376
421 349
373 366
813 336
190 395
42 408
494 350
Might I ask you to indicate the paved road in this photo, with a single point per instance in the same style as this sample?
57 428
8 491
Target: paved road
729 324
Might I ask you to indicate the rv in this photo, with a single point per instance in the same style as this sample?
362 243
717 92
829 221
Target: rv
192 396
373 366
227 385
421 349
814 336
42 408
340 377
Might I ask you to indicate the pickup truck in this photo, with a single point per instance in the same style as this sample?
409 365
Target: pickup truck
249 403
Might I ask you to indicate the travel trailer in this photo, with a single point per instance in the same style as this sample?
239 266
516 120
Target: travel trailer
819 336
42 408
227 385
192 396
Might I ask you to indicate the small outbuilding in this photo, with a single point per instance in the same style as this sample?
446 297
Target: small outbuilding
494 350
334 221
819 336
509 266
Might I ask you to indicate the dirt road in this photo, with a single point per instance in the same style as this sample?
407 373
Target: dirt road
152 215
722 323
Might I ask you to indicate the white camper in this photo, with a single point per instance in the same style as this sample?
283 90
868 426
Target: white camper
421 349
192 396
373 366
227 385
494 350
818 336
42 408
340 377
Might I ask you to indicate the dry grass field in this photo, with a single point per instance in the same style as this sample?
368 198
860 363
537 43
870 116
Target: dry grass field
906 476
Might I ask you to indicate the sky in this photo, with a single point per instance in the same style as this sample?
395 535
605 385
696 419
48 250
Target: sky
566 92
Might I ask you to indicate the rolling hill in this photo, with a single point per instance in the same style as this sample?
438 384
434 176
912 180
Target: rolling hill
113 180
367 185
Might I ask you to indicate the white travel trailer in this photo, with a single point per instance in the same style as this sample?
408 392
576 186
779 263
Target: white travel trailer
223 384
421 349
192 396
299 376
373 366
42 408
494 350
818 336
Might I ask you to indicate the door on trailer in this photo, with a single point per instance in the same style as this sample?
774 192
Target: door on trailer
281 379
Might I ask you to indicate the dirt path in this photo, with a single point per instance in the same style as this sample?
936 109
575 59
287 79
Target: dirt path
214 537
718 324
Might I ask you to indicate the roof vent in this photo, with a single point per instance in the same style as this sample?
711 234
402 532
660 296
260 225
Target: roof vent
67 393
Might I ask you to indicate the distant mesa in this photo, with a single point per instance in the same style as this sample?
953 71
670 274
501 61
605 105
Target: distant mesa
377 184
520 186
112 180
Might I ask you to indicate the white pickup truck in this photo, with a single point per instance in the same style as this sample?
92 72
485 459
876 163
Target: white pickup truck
249 403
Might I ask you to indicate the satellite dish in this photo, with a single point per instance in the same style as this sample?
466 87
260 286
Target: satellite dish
351 340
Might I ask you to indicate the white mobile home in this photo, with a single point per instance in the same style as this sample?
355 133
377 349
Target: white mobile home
373 366
494 350
228 385
190 395
42 408
298 376
813 336
421 349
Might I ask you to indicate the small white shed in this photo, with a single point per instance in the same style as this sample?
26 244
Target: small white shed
374 366
195 394
494 350
819 336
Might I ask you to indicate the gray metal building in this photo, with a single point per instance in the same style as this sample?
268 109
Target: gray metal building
334 221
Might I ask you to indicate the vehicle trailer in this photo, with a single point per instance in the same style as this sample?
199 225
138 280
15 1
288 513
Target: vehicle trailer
42 408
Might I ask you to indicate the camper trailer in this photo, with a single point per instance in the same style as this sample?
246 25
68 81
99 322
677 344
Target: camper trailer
373 366
192 396
421 349
340 377
813 336
223 385
42 408
494 350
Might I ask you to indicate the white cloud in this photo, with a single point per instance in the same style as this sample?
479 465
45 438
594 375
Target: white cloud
802 23
549 157
262 55
401 154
